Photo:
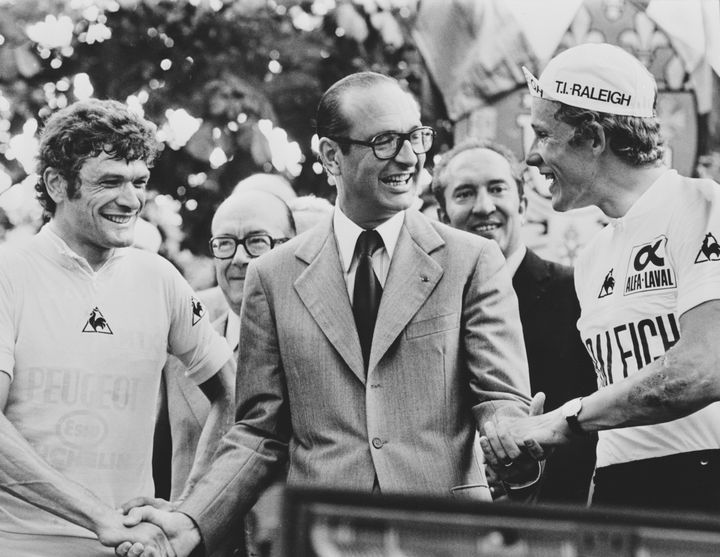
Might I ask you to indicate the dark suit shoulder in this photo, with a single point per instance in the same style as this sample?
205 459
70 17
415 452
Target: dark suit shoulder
537 277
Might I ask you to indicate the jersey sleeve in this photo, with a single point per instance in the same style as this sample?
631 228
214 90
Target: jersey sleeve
694 245
192 337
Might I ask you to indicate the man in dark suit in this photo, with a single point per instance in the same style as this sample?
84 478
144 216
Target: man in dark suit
389 408
479 187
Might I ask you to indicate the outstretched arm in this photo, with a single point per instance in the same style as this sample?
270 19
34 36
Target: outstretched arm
684 380
251 450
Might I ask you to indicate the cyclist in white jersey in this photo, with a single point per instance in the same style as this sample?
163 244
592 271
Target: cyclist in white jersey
86 323
648 286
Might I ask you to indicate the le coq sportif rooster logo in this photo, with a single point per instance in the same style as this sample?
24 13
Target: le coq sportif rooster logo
97 323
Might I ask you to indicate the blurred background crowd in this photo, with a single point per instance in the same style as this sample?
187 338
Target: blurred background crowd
233 84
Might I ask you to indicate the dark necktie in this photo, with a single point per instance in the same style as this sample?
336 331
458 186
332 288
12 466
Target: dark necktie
367 292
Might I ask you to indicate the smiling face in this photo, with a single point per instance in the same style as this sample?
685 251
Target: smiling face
482 197
103 214
370 190
243 214
570 168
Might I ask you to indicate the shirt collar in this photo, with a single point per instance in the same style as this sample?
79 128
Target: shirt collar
56 248
512 262
347 232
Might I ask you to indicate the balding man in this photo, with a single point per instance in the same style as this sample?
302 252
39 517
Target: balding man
245 226
271 183
372 345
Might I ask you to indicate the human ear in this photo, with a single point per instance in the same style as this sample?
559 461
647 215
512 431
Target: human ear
55 184
442 215
599 140
330 155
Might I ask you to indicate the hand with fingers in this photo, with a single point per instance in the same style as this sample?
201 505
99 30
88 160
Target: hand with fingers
155 502
112 531
151 541
510 447
182 534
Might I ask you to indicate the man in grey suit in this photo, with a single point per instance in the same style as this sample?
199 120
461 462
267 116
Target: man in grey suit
446 352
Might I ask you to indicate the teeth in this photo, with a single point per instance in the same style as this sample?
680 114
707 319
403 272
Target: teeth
486 227
118 219
397 179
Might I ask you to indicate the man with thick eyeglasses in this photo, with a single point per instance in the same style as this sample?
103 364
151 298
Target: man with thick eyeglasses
374 402
245 226
387 145
225 246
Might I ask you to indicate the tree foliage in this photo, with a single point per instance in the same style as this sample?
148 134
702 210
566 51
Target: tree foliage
234 64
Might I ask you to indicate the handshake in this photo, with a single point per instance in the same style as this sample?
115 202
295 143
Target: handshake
149 527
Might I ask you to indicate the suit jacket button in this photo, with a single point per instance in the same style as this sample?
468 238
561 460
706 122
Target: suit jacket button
377 443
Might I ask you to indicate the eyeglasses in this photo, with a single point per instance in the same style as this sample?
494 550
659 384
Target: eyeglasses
387 145
225 246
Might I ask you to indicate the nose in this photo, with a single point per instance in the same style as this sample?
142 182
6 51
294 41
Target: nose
406 154
241 257
131 197
484 203
533 158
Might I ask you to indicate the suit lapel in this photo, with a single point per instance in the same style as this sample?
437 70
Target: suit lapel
412 277
321 287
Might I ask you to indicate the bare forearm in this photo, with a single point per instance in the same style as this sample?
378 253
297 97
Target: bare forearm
27 476
683 381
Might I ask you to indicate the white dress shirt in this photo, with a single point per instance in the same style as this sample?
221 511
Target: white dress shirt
346 235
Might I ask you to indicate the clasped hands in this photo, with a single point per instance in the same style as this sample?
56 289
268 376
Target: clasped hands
512 446
158 530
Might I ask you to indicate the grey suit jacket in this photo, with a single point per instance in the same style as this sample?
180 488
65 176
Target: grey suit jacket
447 355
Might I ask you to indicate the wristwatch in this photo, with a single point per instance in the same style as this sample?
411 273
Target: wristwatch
570 411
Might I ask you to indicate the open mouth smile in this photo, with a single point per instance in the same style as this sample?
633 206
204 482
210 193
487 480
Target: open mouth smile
549 176
119 219
397 180
486 227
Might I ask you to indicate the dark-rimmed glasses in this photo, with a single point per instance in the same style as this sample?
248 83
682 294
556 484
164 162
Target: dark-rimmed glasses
225 246
387 145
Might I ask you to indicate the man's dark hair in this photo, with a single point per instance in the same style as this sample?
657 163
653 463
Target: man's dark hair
86 129
330 120
637 141
440 178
